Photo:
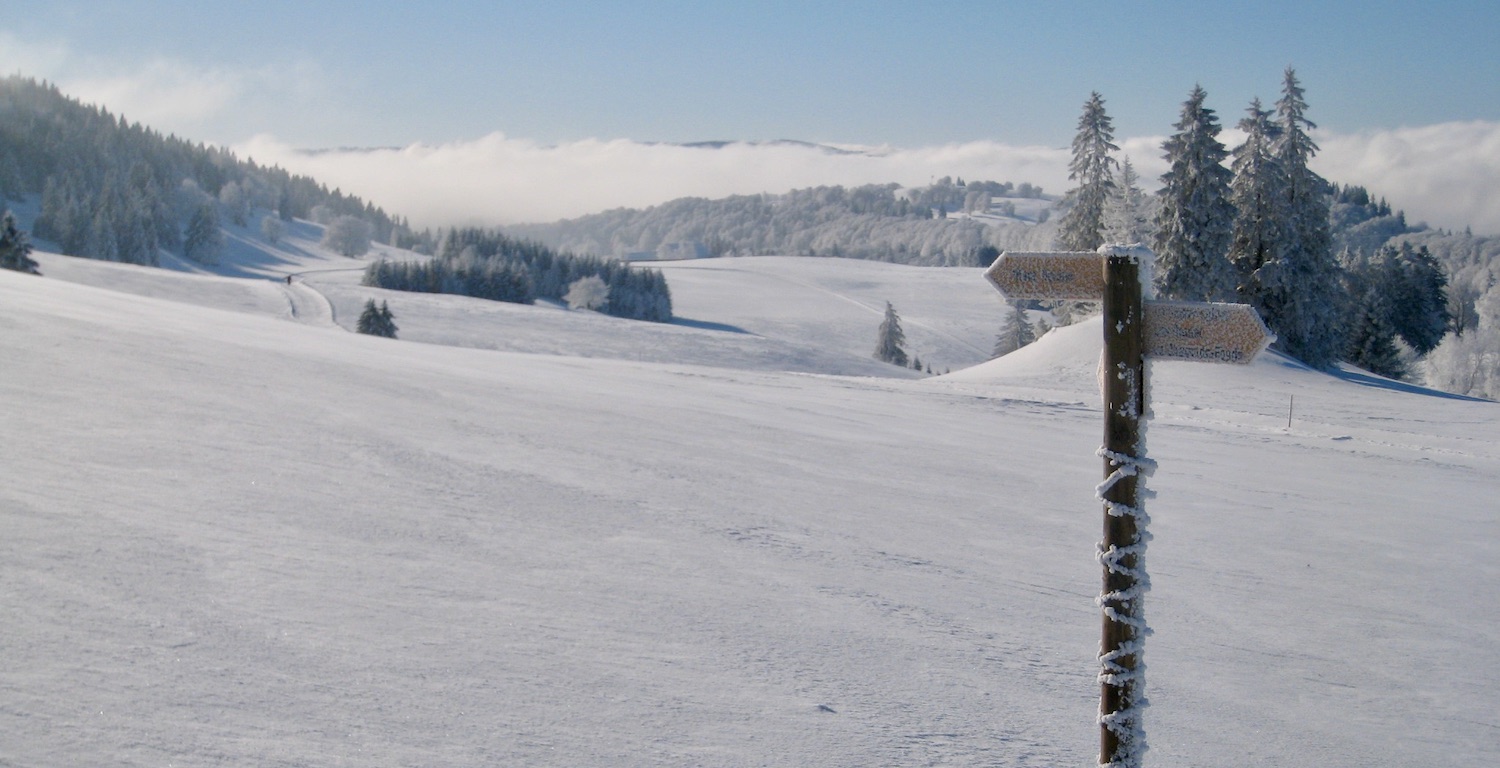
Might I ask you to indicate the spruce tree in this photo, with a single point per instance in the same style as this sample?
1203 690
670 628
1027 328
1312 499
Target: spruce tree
889 346
1372 341
1082 227
15 250
388 326
1257 193
1308 327
203 240
1195 222
1015 332
1125 219
369 318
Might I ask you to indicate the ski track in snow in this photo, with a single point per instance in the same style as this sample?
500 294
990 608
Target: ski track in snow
308 305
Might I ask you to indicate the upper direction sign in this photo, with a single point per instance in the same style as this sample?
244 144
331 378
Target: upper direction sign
1066 275
1205 332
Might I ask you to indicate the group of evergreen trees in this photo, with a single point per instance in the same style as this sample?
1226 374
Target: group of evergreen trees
120 191
1399 292
490 265
1257 232
377 321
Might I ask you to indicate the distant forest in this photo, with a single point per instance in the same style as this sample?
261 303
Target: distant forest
120 191
882 222
489 265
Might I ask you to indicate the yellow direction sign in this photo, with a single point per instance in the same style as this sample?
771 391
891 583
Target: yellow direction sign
1209 333
1063 275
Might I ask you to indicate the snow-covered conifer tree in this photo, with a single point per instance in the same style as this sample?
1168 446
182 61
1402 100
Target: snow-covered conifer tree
1082 227
376 321
1015 332
1258 195
1307 327
15 251
388 326
889 346
203 240
1420 307
1125 217
1371 305
1196 219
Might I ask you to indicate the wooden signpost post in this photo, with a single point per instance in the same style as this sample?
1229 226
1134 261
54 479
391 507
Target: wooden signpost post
1134 329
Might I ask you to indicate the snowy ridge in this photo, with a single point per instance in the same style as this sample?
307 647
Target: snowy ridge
235 538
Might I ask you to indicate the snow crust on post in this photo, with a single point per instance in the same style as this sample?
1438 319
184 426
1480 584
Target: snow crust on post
1142 257
1128 724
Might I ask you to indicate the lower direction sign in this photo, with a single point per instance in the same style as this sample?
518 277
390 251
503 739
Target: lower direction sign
1205 332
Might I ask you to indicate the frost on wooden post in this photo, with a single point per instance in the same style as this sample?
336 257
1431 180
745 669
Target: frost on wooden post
1139 255
1125 666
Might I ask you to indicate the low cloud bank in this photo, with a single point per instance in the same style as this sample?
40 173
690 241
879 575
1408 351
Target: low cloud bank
1447 175
500 180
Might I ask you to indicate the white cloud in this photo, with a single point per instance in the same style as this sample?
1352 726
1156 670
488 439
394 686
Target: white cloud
39 58
1447 174
500 180
163 93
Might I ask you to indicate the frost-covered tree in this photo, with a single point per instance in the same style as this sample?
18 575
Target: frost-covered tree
1195 221
272 229
587 293
1258 195
347 236
101 243
203 241
1125 217
236 203
1015 332
891 341
15 250
1306 324
1082 227
1470 364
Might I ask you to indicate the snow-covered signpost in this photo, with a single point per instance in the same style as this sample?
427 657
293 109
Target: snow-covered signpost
1134 329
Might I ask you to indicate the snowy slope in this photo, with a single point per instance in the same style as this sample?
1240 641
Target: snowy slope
235 539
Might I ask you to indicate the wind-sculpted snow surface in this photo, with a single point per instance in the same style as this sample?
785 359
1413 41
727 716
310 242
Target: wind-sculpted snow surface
233 539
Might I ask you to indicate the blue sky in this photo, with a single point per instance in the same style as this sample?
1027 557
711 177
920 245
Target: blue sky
897 74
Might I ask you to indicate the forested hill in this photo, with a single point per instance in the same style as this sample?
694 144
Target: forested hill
116 190
948 223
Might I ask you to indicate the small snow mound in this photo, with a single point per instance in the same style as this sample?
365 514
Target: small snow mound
1063 353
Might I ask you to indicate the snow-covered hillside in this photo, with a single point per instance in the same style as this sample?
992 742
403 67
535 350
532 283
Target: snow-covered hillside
236 533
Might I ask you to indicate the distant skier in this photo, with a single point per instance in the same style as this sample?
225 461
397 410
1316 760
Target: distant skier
288 279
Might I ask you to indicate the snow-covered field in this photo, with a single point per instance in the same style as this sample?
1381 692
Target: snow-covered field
237 534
